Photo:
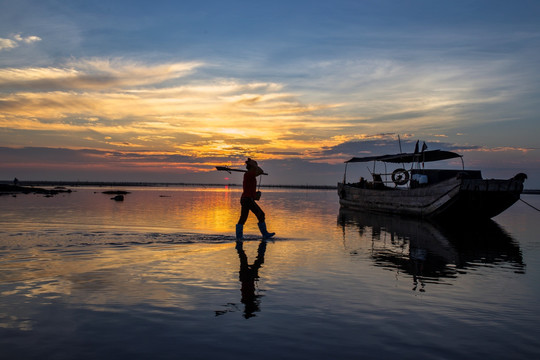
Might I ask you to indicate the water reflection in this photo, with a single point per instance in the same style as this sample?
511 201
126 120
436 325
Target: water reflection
429 252
249 278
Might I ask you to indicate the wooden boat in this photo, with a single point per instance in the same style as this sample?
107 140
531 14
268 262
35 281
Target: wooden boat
429 193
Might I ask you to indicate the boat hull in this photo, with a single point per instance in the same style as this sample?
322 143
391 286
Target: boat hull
452 198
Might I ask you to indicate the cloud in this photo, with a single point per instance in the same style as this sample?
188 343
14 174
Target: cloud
48 156
6 44
388 143
162 106
16 40
92 75
28 39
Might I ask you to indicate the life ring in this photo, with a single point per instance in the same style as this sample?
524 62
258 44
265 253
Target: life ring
400 176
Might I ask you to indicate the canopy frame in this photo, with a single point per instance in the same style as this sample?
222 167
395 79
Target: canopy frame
403 158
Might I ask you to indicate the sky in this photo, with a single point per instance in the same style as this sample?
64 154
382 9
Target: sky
163 91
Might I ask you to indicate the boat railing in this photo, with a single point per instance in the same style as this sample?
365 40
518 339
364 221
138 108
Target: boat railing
412 178
381 181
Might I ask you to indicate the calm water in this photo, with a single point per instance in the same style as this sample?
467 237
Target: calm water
159 276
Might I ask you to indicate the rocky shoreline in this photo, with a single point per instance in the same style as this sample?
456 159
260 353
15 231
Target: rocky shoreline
6 189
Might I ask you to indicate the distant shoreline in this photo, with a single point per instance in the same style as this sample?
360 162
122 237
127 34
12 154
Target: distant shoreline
158 184
153 184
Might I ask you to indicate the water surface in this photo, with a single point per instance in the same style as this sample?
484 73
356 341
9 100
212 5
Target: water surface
160 276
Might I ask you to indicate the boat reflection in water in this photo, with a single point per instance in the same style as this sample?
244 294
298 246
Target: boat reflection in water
429 251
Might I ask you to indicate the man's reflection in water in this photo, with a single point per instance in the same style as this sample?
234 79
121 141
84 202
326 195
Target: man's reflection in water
418 258
249 275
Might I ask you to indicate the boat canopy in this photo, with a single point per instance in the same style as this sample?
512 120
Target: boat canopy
425 156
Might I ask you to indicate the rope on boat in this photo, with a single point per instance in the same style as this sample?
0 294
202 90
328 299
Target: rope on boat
530 205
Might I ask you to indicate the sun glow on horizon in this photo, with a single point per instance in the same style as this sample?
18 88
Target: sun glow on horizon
113 104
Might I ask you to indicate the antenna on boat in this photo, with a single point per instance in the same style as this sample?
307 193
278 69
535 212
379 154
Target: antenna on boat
400 150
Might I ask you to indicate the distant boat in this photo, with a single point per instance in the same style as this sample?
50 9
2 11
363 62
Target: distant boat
429 193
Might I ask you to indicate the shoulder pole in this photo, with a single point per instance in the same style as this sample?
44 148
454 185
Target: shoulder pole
228 169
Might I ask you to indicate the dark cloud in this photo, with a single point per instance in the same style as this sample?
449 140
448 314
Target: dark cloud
284 153
45 155
301 135
386 146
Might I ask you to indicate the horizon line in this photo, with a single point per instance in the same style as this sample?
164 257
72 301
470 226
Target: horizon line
151 183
